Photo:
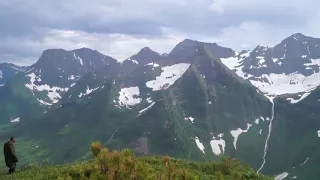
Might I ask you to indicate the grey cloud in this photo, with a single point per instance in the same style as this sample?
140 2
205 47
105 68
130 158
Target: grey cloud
25 21
143 17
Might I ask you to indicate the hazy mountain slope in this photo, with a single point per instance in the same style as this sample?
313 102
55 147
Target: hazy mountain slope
8 70
45 82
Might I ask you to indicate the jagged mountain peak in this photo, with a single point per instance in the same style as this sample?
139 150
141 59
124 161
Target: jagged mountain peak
189 46
84 49
191 42
297 35
299 38
147 51
144 56
292 66
260 49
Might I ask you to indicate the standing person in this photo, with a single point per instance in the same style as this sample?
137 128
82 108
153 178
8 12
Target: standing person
10 154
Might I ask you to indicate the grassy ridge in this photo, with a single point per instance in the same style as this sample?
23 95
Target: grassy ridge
123 165
89 170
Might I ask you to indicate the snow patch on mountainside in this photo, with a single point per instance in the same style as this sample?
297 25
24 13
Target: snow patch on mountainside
304 162
71 77
218 146
129 96
281 176
15 120
153 64
43 102
52 92
149 100
88 91
293 101
199 144
189 118
145 109
168 76
236 134
78 58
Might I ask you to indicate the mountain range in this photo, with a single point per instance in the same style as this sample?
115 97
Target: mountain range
200 101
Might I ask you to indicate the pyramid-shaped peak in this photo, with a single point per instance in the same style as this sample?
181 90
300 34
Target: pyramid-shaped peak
298 38
83 49
298 35
190 42
146 50
260 48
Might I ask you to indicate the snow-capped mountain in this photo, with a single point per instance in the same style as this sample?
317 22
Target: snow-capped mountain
290 67
144 56
178 108
57 70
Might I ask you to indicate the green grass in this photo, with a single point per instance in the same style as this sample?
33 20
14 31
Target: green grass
228 169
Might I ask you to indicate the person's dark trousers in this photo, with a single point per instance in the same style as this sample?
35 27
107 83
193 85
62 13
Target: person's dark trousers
12 168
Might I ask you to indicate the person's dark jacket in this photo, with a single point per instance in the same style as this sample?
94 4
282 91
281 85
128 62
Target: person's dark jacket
10 154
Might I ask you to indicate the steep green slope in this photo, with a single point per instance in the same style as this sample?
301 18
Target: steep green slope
203 104
294 143
8 70
17 101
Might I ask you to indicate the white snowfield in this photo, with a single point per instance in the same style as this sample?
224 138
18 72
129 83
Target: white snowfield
78 58
236 134
281 176
15 120
145 109
293 101
189 118
153 64
129 96
277 84
218 146
53 93
199 144
168 76
88 91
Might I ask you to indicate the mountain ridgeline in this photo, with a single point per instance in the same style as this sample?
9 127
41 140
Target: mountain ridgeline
199 102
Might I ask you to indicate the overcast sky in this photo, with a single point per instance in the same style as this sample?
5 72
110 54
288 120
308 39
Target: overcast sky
120 28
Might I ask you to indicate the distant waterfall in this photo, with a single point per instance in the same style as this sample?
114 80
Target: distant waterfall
268 137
